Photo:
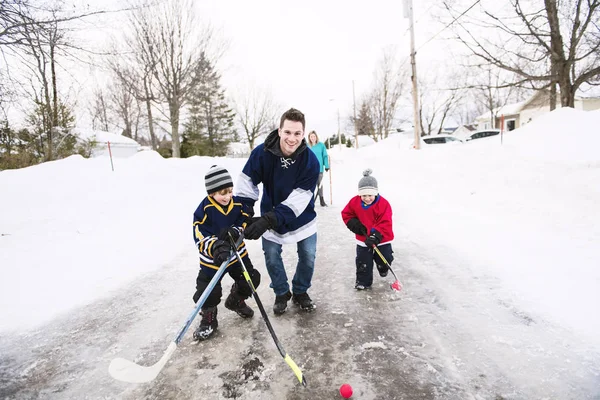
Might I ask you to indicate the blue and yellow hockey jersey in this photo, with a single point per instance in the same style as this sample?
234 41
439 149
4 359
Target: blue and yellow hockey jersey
210 218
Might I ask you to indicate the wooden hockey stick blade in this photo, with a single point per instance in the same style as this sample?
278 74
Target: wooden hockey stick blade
128 371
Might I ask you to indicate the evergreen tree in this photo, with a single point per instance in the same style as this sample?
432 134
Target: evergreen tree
59 121
364 121
211 123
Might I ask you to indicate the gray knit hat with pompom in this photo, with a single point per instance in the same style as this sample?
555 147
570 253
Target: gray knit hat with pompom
367 184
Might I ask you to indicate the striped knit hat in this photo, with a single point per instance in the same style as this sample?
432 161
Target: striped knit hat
368 184
217 178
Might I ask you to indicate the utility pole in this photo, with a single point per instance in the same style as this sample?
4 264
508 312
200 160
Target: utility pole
408 9
355 129
338 122
339 135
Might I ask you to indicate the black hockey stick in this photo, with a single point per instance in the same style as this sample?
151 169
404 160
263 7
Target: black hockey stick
286 357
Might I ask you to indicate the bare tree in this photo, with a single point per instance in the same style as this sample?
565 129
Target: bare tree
174 49
541 43
14 15
134 66
387 89
7 94
493 92
127 107
100 110
488 88
256 111
18 16
435 106
40 47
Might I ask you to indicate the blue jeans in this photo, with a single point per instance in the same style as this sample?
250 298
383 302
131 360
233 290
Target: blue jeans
307 250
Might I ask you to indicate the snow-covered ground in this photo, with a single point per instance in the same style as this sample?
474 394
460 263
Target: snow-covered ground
497 246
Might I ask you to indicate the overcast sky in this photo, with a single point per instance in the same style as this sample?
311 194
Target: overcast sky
309 53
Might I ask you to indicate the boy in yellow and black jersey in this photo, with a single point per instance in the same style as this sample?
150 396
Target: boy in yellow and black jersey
218 215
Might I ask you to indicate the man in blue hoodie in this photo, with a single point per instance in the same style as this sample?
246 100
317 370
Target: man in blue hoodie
289 174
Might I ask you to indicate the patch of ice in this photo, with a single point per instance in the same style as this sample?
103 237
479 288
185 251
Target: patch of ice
374 345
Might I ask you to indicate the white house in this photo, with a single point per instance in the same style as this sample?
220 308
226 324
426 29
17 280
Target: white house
120 146
519 114
238 150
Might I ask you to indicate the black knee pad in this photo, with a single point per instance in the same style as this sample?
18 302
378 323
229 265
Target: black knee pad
241 287
255 277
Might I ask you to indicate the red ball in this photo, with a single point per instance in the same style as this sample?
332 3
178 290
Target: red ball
346 391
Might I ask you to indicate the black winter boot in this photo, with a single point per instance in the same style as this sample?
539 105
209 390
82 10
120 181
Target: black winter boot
236 303
322 200
304 301
281 303
208 325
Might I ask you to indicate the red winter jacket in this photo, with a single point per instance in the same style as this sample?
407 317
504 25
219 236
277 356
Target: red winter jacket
377 215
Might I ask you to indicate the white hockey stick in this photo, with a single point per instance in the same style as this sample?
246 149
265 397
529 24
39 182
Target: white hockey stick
128 371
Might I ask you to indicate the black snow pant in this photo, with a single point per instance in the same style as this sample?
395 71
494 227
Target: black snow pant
364 262
240 286
320 190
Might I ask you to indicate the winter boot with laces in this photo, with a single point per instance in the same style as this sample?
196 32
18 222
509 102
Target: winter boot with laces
208 325
236 303
281 303
304 301
360 286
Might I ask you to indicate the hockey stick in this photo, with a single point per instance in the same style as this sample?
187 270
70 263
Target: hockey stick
286 357
396 285
317 191
330 189
128 371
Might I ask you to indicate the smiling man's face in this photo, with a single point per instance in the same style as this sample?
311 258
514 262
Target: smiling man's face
290 137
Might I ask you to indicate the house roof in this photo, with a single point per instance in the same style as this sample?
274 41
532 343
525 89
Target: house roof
589 92
508 109
103 137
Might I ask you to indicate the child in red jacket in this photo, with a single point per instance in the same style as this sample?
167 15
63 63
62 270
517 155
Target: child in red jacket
369 216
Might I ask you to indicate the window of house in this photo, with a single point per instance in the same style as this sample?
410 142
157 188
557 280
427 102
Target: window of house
510 125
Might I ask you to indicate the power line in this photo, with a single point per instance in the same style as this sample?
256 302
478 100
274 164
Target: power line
434 36
447 26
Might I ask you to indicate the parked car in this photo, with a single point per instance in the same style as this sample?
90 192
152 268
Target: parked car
440 139
483 134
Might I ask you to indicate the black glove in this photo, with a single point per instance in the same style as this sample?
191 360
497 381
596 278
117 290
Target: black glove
233 231
220 251
260 226
357 227
250 220
373 239
326 169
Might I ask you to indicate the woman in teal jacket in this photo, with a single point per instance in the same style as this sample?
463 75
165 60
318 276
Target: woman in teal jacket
321 152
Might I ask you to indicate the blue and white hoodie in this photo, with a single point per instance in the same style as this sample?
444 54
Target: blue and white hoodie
288 188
